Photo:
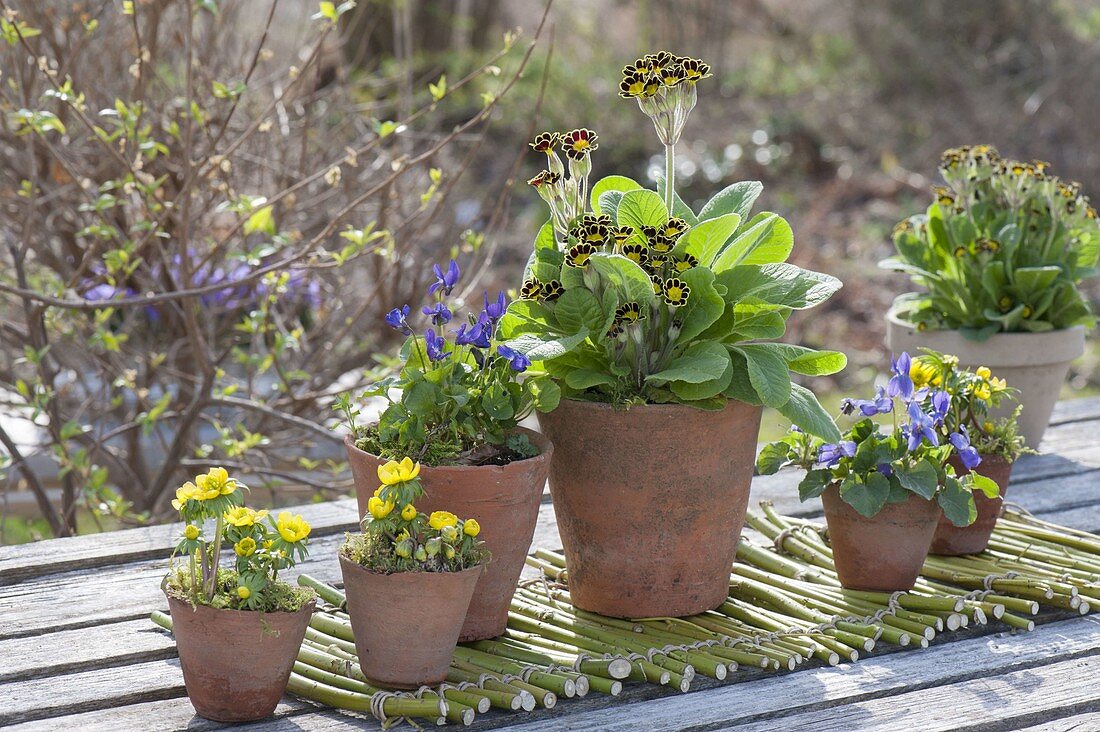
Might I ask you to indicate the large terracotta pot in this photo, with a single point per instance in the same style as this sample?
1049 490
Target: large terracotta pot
1034 363
884 552
406 625
650 501
504 499
236 663
955 540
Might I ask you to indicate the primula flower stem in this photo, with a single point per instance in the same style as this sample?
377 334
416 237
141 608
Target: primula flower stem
670 176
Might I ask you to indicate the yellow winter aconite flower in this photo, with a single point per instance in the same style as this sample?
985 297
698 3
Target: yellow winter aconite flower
244 593
184 493
243 516
471 527
191 532
408 512
395 472
982 392
292 528
998 384
984 372
378 508
439 519
246 547
215 483
923 373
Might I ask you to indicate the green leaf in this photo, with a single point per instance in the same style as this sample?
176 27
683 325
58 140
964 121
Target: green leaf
582 379
737 198
778 284
768 374
818 363
706 239
578 309
626 276
611 183
866 498
262 220
546 393
679 208
740 387
768 239
525 316
704 306
804 410
699 363
543 348
773 456
922 479
957 503
641 208
986 485
814 484
695 392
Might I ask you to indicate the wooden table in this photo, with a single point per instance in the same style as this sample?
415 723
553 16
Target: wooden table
78 652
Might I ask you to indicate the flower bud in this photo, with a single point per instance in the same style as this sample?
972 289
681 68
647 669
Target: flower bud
420 555
449 533
433 546
404 548
448 551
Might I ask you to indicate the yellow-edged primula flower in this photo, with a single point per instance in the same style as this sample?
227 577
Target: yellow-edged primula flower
191 532
184 493
471 527
439 519
246 547
378 508
292 528
243 517
395 472
408 512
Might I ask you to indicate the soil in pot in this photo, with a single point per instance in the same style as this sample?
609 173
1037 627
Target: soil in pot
954 540
885 552
650 502
504 499
407 624
236 663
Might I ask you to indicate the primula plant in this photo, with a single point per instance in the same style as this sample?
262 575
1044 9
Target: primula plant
398 538
263 546
458 395
1002 248
873 465
631 297
973 395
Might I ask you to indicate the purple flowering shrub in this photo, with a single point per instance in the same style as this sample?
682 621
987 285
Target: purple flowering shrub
459 393
873 465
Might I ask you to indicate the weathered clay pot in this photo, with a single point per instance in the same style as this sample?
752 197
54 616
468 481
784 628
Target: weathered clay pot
406 625
504 499
650 502
955 540
884 552
1034 363
236 663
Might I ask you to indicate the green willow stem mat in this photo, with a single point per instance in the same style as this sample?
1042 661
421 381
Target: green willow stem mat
785 608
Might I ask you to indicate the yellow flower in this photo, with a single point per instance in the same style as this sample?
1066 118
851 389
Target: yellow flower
923 373
292 528
471 527
378 508
243 516
982 392
184 493
439 519
408 512
998 384
987 426
395 472
983 372
215 483
246 547
244 593
191 532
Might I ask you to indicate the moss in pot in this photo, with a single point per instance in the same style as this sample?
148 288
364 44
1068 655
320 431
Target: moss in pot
883 487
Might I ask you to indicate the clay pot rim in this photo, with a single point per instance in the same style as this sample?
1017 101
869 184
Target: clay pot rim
607 407
539 440
345 562
310 605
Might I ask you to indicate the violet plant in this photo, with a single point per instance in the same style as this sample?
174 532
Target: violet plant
460 391
873 465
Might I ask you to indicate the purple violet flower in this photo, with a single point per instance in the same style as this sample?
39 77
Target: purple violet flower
900 384
435 344
398 319
829 455
445 281
920 427
441 315
969 456
495 310
518 361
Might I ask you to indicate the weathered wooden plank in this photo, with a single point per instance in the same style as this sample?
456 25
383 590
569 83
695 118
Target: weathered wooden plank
1074 723
1076 410
1005 701
175 713
805 699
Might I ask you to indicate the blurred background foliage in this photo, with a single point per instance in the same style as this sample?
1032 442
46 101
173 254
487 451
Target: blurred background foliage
840 107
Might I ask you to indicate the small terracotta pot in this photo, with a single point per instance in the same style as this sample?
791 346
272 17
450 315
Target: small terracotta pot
406 625
953 540
650 501
236 663
884 552
504 499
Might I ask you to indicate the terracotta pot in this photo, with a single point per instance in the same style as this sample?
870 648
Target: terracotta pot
504 499
1034 363
955 540
406 625
884 552
650 502
236 663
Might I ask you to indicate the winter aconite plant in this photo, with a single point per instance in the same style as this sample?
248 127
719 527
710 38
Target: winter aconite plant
631 297
458 395
873 466
1002 248
263 545
398 538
